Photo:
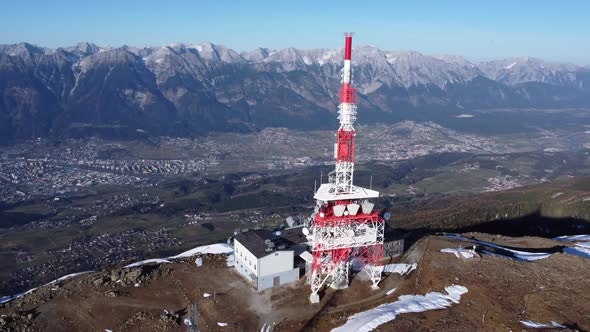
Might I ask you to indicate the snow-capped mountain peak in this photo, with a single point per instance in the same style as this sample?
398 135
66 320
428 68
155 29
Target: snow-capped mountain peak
528 69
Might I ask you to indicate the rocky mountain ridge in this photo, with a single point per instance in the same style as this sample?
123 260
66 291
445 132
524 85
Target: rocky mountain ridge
191 89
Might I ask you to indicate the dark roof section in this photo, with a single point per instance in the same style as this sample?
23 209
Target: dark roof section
293 235
254 240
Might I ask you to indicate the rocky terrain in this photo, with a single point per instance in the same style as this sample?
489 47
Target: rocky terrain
186 90
502 293
514 254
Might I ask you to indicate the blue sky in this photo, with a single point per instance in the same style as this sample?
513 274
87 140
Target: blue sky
478 30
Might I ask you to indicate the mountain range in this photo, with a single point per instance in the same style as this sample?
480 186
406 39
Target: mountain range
191 89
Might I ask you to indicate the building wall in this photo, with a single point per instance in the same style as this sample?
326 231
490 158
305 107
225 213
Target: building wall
262 272
245 262
243 270
393 248
279 261
299 248
285 277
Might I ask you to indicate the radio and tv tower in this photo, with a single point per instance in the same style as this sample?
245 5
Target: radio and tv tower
344 227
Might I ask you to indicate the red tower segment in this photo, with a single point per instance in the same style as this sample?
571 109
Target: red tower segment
345 146
348 46
348 94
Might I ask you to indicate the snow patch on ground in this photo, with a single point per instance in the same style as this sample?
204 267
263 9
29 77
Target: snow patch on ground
217 248
581 245
520 255
535 325
199 261
461 116
401 268
222 324
578 251
371 319
391 291
463 253
573 238
9 298
529 256
230 260
67 276
147 261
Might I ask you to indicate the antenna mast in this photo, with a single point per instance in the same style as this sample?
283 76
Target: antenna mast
344 228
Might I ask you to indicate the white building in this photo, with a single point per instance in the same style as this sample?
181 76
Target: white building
267 259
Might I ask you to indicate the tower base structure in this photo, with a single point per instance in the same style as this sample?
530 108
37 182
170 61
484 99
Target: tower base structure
314 298
345 230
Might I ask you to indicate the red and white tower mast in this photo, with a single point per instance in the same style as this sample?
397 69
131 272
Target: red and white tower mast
344 228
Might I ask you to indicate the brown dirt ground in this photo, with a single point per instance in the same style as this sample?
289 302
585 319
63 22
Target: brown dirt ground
502 292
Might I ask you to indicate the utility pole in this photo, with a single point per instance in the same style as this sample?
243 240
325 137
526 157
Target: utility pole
194 327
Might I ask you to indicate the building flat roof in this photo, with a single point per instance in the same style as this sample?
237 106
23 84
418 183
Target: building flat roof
254 240
327 193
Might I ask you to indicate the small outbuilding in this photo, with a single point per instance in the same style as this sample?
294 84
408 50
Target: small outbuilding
267 259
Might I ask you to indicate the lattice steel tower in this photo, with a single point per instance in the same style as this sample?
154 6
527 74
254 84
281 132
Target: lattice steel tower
344 228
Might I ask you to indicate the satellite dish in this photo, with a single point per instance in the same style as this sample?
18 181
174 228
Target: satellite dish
339 210
305 231
321 214
386 215
353 208
290 221
367 207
